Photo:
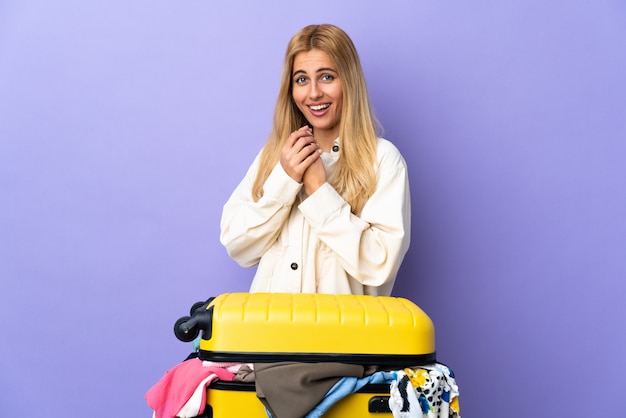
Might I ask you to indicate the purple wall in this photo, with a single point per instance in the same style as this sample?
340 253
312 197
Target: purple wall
125 125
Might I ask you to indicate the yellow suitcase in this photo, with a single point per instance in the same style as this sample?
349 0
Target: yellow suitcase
385 331
265 327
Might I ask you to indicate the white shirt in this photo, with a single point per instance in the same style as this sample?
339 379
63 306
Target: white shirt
315 244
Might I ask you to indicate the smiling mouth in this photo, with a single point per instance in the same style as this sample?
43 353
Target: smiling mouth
320 107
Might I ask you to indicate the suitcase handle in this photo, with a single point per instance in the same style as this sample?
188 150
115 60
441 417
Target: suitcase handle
378 405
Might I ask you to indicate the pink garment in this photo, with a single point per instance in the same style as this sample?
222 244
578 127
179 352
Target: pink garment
177 385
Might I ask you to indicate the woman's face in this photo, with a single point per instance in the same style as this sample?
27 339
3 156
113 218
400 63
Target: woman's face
316 90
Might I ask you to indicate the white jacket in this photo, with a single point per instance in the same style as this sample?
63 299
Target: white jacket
315 244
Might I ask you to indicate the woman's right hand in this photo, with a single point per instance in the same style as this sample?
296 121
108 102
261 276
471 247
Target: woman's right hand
299 152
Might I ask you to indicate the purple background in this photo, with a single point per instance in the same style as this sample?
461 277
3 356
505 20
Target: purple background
124 126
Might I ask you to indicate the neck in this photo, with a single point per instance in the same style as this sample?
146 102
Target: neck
325 139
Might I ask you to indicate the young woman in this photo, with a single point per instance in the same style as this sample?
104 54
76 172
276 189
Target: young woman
325 206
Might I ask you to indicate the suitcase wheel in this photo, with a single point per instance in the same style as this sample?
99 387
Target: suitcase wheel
184 330
188 328
201 306
196 306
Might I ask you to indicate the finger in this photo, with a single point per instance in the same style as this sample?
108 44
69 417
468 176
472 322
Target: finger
309 161
296 135
308 146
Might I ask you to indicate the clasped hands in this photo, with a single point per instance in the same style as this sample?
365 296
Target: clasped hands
300 158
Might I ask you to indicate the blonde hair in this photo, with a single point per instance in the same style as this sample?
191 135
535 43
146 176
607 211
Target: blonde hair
355 176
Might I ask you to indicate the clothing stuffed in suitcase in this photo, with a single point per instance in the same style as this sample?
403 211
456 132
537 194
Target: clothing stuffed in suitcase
382 331
429 390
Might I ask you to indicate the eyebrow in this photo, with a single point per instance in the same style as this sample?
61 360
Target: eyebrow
320 70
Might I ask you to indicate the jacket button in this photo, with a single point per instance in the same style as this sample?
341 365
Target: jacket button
294 266
335 148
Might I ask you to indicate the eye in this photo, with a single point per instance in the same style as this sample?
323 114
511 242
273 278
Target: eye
300 80
327 77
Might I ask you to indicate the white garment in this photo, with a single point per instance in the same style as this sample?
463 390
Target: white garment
403 400
315 244
431 393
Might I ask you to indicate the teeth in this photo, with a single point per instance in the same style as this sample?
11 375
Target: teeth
319 107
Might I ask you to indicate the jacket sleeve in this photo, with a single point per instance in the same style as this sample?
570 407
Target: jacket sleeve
370 247
249 228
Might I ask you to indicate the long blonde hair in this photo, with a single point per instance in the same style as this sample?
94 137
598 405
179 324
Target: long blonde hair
355 176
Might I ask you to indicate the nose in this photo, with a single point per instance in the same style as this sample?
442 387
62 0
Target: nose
314 91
